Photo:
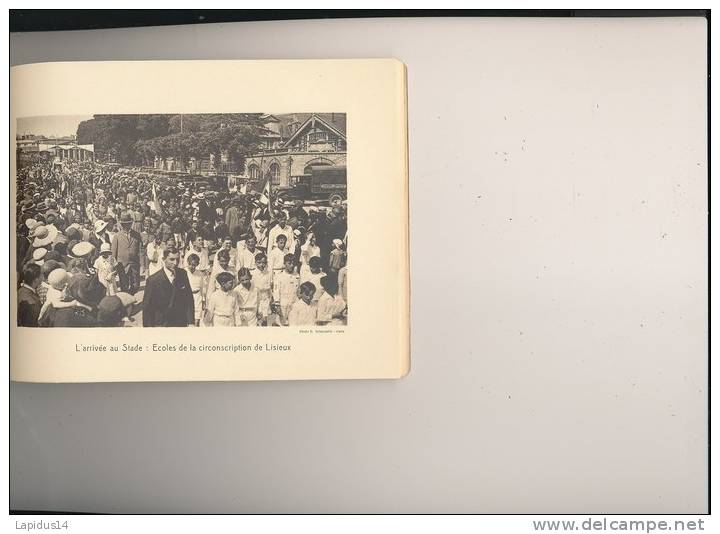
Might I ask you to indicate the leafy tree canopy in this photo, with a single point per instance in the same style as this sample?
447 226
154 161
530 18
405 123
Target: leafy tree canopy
137 139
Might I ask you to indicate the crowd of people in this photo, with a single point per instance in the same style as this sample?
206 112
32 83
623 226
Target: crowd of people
103 245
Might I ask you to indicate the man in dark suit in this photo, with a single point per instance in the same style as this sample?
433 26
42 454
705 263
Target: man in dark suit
28 300
23 245
126 245
168 299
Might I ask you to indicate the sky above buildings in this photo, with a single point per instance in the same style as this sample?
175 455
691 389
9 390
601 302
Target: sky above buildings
53 126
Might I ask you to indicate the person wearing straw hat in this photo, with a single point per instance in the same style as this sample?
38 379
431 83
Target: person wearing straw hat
39 255
99 235
125 247
106 267
82 249
43 235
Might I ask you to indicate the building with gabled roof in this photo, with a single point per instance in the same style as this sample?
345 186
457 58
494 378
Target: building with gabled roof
291 143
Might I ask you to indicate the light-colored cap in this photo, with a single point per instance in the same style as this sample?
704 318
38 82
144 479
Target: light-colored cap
82 249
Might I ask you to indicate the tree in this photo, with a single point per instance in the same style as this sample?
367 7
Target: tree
137 139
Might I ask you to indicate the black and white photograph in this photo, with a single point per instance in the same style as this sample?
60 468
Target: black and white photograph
174 220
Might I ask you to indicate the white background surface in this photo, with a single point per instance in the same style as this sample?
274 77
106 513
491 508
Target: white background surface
559 315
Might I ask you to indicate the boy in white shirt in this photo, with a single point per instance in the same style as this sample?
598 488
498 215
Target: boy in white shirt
263 278
303 312
247 295
223 304
331 306
285 286
246 254
314 275
196 247
154 253
221 265
282 228
227 245
276 256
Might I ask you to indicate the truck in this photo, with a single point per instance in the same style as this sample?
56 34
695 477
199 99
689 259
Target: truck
323 183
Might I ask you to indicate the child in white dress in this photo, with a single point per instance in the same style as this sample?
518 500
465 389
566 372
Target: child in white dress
106 267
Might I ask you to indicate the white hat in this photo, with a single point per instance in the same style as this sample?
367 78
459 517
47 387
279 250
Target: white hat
44 235
39 253
105 247
31 223
83 248
100 225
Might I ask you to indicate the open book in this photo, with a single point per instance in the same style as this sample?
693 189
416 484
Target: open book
209 220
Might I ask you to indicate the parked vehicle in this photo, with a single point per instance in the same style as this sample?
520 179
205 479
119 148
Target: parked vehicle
323 183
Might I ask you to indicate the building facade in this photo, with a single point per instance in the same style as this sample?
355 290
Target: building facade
60 148
293 143
71 151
